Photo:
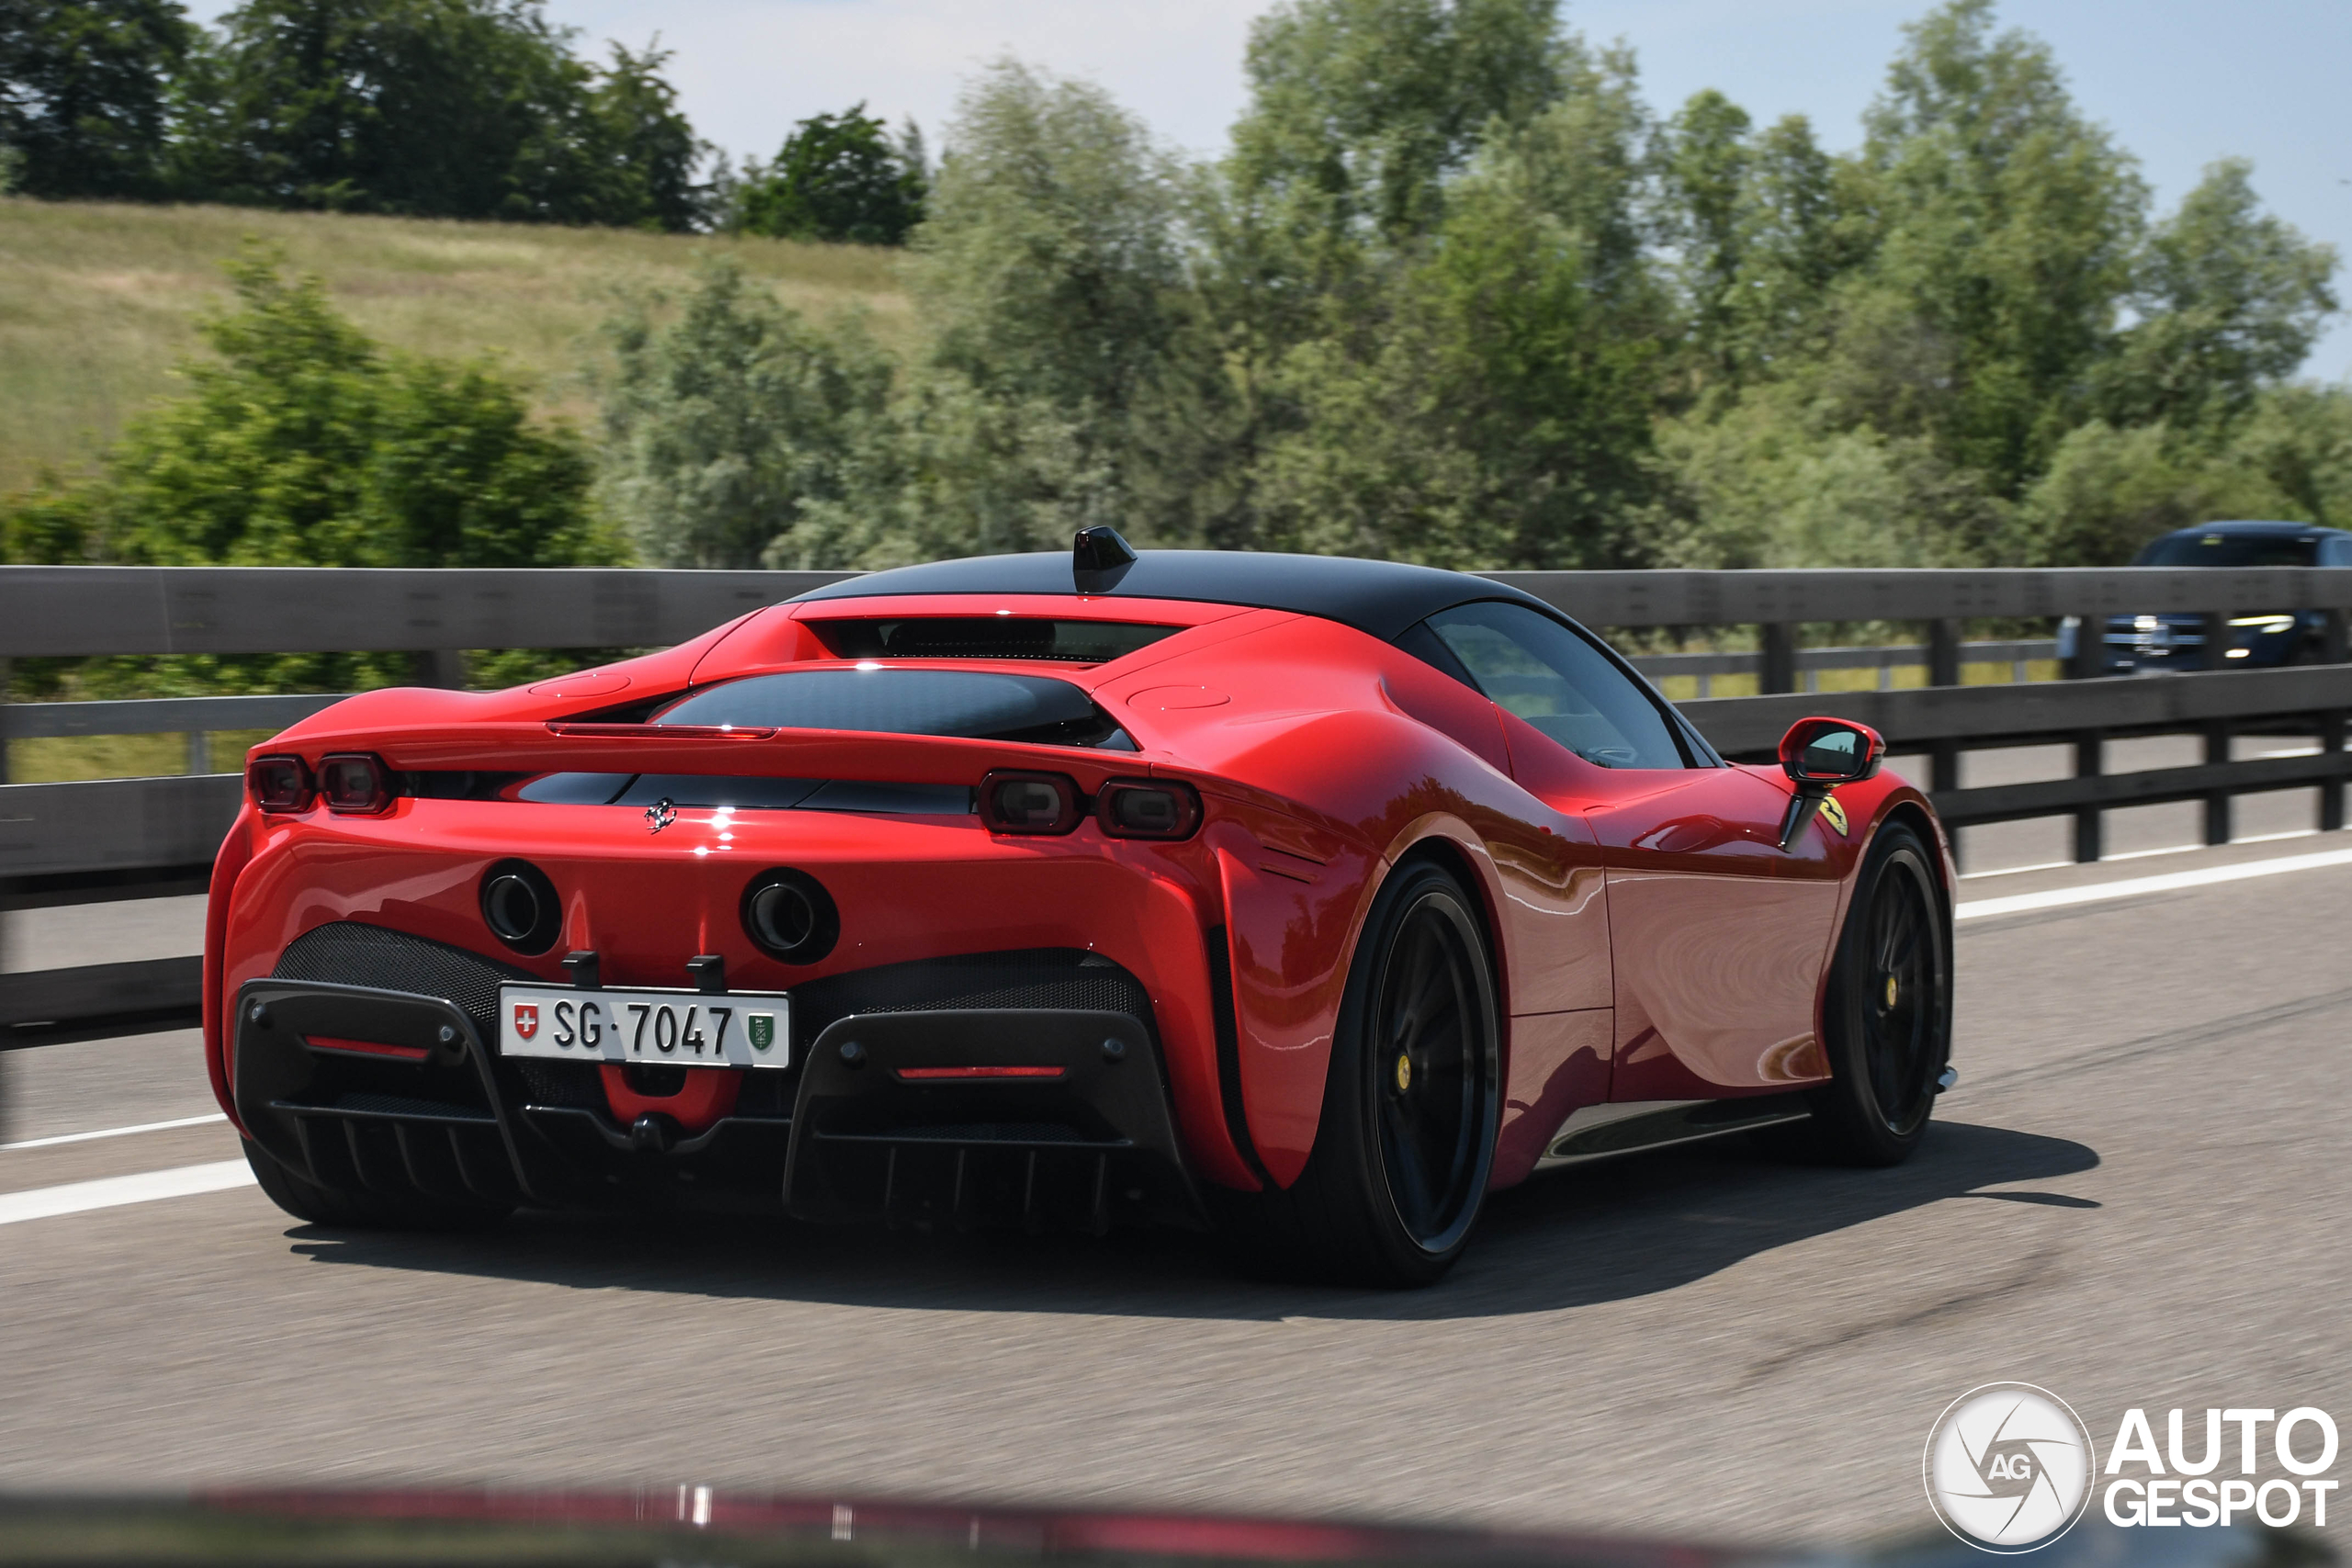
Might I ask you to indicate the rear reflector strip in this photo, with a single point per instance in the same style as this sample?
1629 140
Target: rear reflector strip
366 1047
918 1074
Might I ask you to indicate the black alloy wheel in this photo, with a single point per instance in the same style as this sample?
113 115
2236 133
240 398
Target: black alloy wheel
1888 1011
1411 1101
1428 1060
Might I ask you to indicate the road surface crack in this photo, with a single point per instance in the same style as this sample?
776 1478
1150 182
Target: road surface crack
2034 1273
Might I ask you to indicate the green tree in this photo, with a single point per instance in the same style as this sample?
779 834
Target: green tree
1761 225
302 444
1498 413
838 177
1763 481
2229 299
724 427
456 109
2009 230
1049 274
1360 110
2108 491
643 145
1808 218
83 87
1707 159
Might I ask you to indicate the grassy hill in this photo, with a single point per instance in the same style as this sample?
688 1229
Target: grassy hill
98 300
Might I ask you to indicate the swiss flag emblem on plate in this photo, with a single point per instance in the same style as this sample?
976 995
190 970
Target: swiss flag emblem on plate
526 1019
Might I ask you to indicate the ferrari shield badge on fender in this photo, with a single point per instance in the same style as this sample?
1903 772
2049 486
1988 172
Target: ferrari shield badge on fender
1834 815
660 814
526 1019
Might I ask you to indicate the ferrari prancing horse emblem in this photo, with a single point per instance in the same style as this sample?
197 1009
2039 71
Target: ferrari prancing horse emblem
660 814
1834 814
526 1019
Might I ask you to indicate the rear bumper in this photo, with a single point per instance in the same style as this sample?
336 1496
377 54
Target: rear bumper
901 1113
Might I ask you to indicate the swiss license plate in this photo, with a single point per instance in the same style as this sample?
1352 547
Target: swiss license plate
671 1029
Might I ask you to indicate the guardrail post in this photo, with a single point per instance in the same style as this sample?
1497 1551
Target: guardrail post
2331 789
199 751
2089 763
1943 669
2217 802
5 1069
2335 637
1777 669
2216 627
1943 653
439 667
2090 649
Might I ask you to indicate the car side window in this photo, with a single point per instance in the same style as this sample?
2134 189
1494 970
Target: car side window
1558 682
2335 549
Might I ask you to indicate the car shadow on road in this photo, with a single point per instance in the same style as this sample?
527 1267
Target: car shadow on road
1614 1231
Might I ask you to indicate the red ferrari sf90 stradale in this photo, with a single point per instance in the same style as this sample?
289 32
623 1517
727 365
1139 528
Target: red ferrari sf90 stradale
1313 898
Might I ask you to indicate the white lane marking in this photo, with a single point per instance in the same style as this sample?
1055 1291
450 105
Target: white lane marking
2137 855
113 1191
2172 882
113 1133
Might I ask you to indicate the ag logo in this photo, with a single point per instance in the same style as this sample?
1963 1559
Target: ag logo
526 1019
1834 815
2008 1467
761 1027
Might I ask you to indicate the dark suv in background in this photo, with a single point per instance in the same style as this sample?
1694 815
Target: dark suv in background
2176 641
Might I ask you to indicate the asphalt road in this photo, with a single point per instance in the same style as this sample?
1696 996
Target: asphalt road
2136 1196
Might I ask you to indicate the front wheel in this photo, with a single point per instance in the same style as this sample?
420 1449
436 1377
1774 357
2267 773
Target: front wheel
1887 1016
1410 1102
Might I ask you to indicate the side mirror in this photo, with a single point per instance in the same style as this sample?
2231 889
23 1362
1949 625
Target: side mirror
1819 754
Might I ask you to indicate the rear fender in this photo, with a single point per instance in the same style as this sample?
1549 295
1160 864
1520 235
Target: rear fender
1298 886
236 852
1291 923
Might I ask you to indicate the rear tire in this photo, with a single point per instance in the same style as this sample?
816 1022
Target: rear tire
309 1202
1410 1104
1887 1016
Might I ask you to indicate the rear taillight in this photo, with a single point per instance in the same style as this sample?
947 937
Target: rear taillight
1147 809
279 783
1028 803
355 784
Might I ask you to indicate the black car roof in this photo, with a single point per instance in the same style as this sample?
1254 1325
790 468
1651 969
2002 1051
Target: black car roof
1383 598
2258 528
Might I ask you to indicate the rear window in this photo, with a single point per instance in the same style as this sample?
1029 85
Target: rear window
988 637
969 703
2230 549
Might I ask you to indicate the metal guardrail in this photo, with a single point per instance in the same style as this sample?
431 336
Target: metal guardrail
1811 662
69 611
160 715
64 611
84 843
2086 715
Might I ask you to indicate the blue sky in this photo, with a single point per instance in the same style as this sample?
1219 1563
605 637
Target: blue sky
2180 82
